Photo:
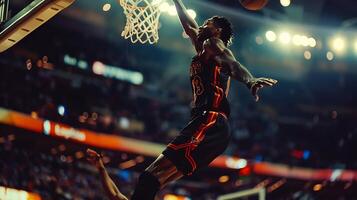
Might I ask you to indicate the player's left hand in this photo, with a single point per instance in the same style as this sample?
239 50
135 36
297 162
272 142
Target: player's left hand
257 83
94 158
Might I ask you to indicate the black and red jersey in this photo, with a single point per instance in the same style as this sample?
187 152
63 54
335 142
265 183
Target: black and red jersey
210 85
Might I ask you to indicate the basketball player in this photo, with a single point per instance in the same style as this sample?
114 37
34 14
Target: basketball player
207 134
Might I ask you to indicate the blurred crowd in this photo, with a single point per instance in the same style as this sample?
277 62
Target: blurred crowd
61 173
58 170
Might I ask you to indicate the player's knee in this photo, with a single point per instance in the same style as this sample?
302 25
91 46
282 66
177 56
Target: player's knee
147 187
149 177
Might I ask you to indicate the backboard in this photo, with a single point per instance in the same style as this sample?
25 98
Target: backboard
16 26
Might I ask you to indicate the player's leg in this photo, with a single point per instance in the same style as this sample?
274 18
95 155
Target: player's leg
155 177
164 170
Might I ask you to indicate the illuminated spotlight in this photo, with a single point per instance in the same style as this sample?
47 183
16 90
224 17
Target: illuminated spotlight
175 197
297 40
271 36
339 44
235 163
61 110
355 46
317 187
47 127
304 41
307 55
330 56
285 37
312 42
164 7
259 40
192 13
285 3
335 174
223 179
106 7
172 10
98 68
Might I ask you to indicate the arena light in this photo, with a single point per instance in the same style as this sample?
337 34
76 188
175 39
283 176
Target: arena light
312 42
330 56
61 110
304 41
270 36
285 3
172 10
285 37
164 7
236 163
335 174
46 127
297 40
259 40
133 77
107 7
223 179
307 55
338 45
355 46
12 194
175 197
192 13
317 187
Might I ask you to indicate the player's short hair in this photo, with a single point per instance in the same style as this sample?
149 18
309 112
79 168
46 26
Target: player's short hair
227 30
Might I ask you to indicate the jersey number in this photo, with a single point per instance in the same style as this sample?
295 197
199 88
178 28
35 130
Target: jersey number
197 85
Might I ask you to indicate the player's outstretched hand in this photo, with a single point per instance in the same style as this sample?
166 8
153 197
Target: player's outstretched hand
257 83
94 158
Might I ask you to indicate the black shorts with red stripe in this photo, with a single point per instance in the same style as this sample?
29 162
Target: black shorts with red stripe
199 143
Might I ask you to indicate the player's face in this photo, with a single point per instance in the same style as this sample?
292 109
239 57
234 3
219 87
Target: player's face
207 30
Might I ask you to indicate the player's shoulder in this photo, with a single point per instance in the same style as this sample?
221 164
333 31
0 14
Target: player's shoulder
214 45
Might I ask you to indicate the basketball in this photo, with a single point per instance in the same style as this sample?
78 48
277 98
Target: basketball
253 4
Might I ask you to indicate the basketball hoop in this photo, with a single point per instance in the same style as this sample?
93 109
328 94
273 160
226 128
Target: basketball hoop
142 20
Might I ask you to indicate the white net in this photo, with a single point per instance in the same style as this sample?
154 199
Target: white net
142 20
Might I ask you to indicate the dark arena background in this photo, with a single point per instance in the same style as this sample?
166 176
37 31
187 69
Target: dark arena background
73 82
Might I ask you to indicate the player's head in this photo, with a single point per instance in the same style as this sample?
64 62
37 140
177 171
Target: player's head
217 26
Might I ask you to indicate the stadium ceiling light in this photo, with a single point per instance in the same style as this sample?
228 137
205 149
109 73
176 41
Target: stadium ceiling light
106 7
329 55
270 36
307 55
312 42
61 110
164 7
338 45
304 41
285 3
355 46
192 13
223 179
172 10
297 40
285 37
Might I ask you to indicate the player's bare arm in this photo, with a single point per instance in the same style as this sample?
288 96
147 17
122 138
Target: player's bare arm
189 25
110 188
215 48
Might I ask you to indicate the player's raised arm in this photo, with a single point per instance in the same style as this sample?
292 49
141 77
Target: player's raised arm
110 188
225 58
188 23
